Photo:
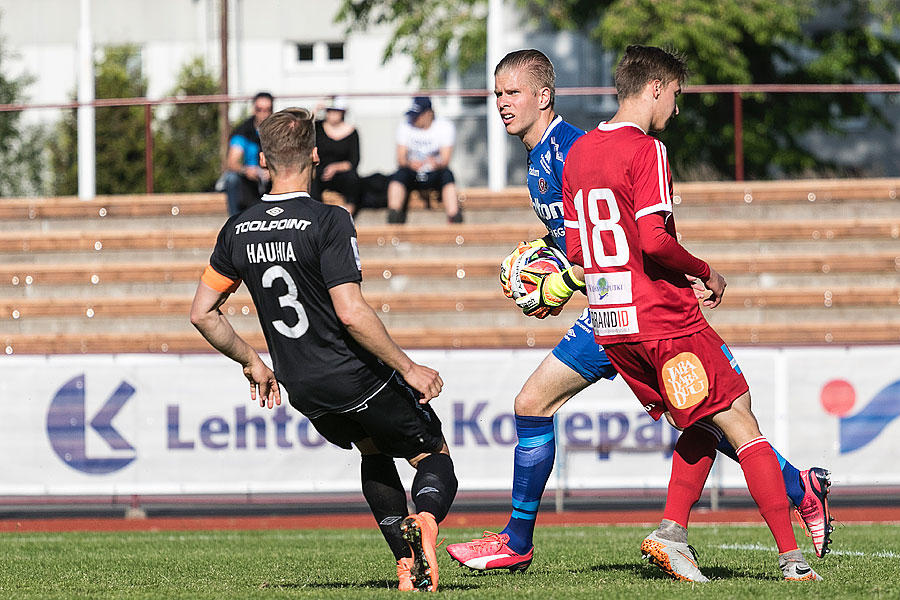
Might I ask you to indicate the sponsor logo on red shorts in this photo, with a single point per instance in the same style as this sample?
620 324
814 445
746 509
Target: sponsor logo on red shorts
686 380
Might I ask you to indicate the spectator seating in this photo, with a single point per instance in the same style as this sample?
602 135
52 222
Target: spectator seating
808 262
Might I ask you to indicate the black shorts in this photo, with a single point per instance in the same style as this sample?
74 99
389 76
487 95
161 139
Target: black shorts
432 180
393 418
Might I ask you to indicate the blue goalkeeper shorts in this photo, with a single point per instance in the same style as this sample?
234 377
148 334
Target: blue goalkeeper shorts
579 351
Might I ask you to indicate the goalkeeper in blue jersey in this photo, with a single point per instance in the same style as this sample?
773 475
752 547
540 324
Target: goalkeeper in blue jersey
524 85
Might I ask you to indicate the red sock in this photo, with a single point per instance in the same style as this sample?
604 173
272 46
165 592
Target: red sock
695 451
766 485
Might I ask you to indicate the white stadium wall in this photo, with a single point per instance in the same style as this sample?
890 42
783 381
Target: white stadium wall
149 424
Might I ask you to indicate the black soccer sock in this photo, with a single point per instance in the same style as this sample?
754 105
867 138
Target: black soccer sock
396 216
434 486
386 497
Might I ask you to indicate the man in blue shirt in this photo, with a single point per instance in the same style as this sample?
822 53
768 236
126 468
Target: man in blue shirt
525 84
245 180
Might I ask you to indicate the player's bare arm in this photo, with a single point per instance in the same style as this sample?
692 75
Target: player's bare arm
444 156
403 158
213 325
367 329
234 160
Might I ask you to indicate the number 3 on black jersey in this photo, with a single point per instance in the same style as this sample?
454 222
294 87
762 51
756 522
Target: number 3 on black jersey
288 300
590 210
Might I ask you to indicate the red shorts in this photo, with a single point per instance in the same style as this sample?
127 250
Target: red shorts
692 376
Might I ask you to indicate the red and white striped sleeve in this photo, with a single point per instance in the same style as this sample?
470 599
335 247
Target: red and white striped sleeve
652 179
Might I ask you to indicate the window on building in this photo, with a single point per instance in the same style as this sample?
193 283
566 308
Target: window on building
335 50
305 52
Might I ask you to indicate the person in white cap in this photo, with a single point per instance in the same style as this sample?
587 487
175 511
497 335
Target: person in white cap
424 148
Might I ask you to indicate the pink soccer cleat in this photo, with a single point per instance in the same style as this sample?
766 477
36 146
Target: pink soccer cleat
490 552
813 510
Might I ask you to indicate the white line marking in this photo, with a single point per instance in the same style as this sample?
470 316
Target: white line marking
760 547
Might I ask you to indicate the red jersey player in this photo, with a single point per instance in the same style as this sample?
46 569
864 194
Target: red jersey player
617 197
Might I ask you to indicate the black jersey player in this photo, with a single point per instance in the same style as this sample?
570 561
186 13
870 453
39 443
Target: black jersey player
330 351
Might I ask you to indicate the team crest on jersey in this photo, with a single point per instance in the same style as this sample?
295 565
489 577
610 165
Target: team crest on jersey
275 211
686 381
542 185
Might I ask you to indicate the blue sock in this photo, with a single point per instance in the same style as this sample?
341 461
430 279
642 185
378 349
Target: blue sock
791 476
534 457
789 472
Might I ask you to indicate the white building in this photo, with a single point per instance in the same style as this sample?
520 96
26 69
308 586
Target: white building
291 48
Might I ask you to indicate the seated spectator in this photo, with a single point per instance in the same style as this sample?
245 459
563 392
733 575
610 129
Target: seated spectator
245 180
338 144
424 148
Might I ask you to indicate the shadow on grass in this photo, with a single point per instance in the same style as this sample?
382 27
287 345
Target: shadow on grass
653 573
372 584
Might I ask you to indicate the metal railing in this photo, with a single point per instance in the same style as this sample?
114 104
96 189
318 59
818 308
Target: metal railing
735 91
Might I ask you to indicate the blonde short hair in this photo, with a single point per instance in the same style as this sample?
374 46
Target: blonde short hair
287 139
537 67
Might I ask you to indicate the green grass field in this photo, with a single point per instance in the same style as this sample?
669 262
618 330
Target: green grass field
571 562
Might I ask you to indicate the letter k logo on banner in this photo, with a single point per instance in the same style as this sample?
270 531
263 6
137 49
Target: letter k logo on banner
66 427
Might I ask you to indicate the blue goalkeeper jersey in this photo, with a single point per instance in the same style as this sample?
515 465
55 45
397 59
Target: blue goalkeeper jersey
545 169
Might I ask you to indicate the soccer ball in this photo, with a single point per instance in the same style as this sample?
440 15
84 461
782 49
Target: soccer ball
528 270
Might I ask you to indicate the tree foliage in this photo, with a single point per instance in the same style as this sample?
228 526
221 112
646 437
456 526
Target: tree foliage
119 131
21 146
725 42
186 150
426 31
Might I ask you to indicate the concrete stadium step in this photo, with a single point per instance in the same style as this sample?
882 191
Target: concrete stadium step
403 311
129 206
524 213
810 191
863 246
786 192
403 284
108 290
521 212
100 272
803 314
812 262
736 299
836 333
832 199
452 235
773 212
178 322
115 224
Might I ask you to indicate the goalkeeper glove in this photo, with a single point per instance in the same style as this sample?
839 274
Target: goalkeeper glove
553 291
509 261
